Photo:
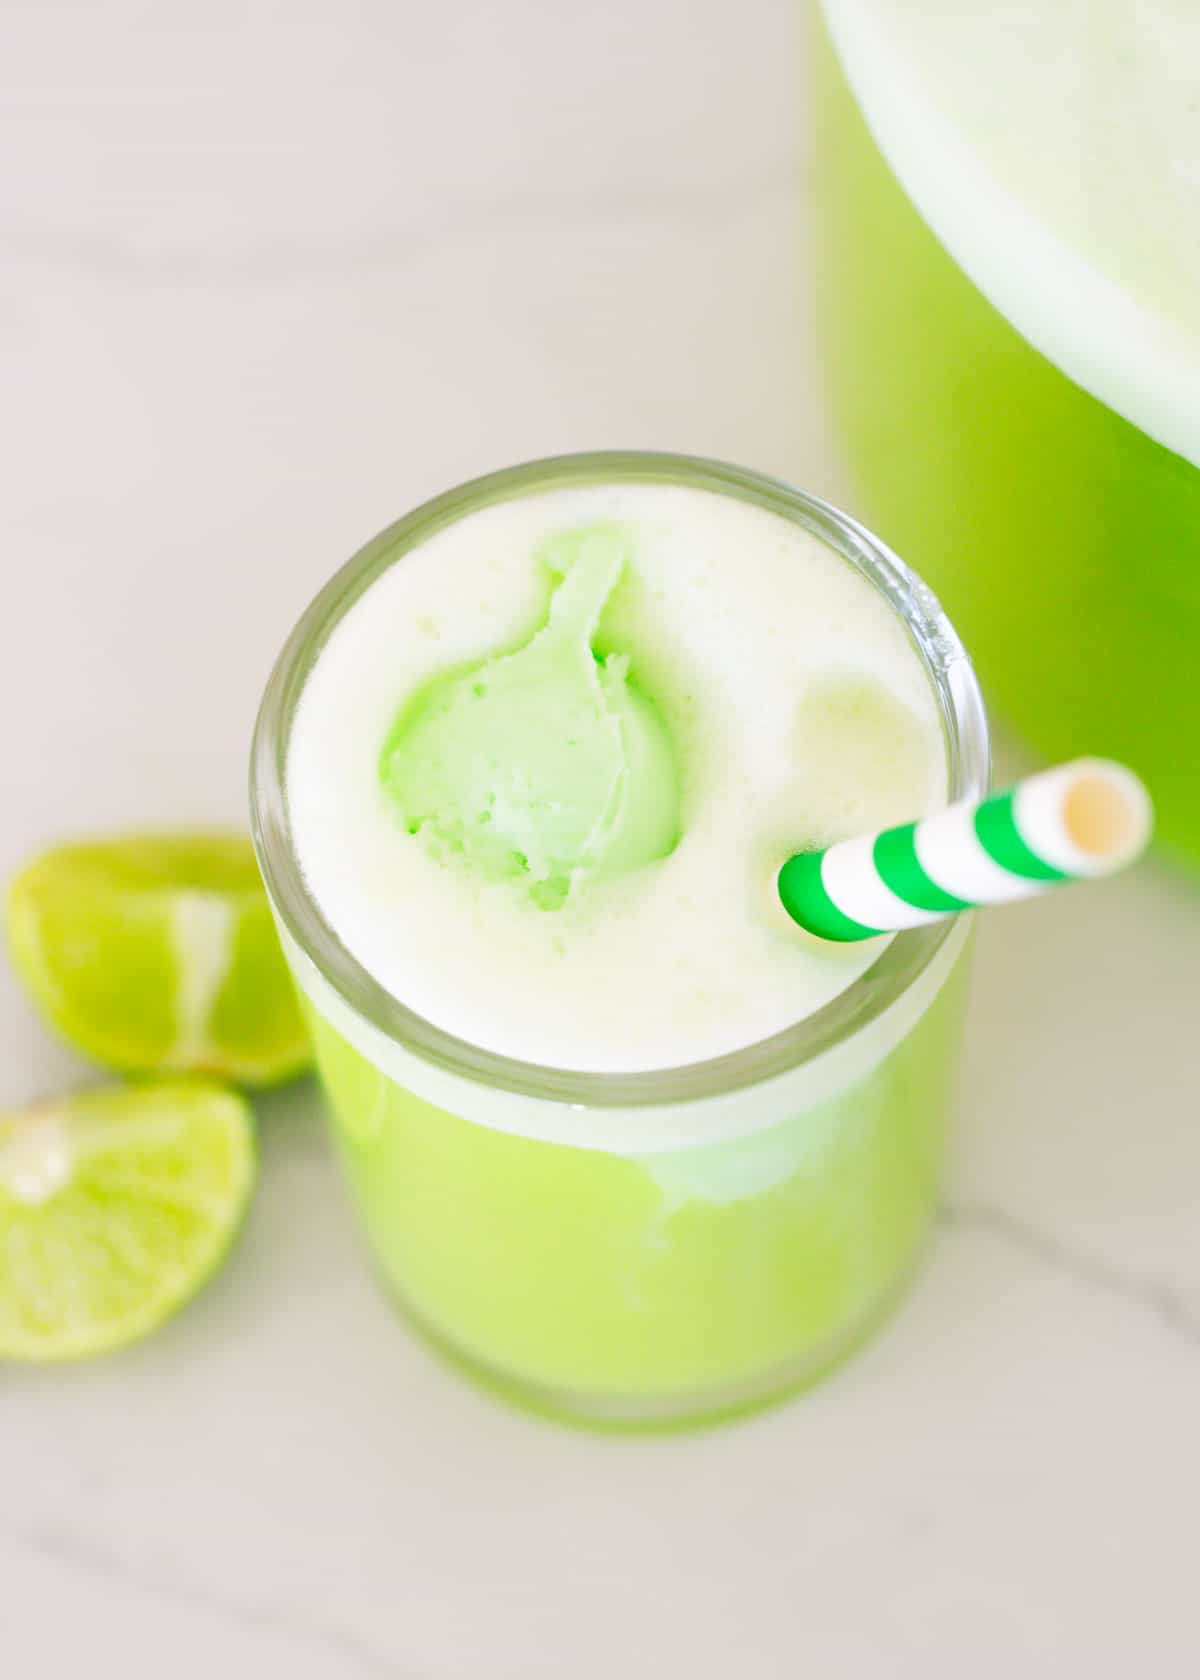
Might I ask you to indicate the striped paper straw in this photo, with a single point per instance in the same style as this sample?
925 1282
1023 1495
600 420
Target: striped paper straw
1076 823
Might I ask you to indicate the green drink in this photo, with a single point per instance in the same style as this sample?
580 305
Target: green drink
1003 177
619 1135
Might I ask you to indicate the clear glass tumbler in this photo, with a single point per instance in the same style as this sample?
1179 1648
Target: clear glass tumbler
643 1247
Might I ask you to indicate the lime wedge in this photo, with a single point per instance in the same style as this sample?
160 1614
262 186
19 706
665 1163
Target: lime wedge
157 953
115 1206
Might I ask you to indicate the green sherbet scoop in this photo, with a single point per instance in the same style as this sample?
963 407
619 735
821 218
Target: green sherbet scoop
548 763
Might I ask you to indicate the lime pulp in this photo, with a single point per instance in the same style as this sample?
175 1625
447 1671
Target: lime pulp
116 1204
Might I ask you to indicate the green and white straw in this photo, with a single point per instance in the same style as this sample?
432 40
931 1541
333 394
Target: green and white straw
1076 823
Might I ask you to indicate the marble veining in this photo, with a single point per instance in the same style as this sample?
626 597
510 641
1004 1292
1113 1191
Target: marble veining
1167 1304
462 221
291 1623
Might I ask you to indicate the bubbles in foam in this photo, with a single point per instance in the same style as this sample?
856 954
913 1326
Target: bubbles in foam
798 710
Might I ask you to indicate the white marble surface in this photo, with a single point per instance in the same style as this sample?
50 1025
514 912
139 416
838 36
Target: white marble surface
271 274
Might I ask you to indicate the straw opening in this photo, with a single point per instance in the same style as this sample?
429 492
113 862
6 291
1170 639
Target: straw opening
1099 817
1105 814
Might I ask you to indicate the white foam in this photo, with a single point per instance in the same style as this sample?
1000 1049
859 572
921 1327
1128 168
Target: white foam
1053 150
739 623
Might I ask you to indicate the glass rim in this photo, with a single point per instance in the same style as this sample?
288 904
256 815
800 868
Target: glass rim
899 965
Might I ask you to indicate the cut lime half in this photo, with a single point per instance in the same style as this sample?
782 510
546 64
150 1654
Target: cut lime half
115 1206
157 954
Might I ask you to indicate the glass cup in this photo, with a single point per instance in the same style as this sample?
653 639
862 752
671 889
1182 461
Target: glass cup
652 1246
1064 541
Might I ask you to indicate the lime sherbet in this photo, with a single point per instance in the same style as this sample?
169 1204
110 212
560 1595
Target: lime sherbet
549 764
